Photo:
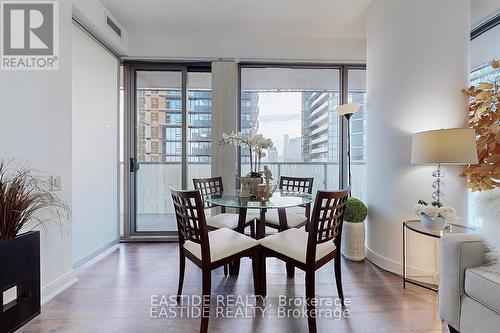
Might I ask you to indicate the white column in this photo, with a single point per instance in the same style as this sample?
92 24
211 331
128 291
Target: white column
224 119
417 63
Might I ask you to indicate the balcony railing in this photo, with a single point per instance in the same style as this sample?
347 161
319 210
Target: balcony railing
153 179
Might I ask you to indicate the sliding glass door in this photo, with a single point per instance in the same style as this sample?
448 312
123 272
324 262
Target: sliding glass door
170 132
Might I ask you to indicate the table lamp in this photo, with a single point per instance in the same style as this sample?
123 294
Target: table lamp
347 110
455 146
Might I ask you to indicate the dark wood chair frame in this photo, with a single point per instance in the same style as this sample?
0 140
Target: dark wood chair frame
292 184
325 225
192 226
214 186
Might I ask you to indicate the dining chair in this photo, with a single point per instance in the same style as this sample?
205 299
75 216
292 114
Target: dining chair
208 250
214 186
310 250
293 220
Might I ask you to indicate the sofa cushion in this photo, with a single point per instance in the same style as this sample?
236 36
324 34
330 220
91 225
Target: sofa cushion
483 284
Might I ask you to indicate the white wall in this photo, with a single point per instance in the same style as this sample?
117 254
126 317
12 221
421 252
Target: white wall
95 154
35 127
93 14
417 63
246 47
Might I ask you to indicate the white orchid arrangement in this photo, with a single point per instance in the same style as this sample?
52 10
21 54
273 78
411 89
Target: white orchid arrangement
257 145
435 210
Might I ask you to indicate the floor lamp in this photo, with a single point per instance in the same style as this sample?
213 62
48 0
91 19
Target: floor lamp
347 110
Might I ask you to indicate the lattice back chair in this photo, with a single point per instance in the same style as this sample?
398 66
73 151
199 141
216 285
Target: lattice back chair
326 221
296 184
208 250
191 222
309 250
283 220
214 187
208 187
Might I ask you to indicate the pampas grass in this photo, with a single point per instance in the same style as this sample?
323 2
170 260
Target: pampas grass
26 202
488 207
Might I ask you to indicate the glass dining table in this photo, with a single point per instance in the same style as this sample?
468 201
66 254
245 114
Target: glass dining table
280 200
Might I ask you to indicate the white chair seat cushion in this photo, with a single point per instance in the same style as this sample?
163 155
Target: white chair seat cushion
292 219
223 242
293 244
224 220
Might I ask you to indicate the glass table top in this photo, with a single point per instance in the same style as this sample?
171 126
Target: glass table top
280 199
415 225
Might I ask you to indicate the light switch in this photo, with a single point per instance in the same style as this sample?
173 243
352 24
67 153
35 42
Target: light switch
55 183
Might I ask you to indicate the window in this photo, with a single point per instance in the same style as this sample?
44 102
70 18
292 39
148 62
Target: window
482 74
296 108
357 94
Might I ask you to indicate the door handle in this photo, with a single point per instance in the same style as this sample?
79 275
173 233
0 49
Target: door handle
134 166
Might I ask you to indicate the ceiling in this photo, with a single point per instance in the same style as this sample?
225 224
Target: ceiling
306 18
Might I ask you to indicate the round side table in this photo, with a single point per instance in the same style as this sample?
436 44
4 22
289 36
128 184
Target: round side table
417 227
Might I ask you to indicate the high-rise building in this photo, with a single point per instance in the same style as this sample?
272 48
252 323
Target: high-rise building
292 149
159 124
249 117
320 126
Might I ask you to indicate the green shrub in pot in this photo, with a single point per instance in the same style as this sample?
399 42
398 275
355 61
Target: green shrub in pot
356 211
353 230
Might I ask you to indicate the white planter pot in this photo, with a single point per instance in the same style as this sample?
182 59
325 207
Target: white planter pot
353 241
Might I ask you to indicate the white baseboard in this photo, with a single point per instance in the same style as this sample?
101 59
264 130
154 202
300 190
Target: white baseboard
95 256
54 288
394 266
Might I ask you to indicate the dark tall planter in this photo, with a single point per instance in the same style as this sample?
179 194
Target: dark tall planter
20 266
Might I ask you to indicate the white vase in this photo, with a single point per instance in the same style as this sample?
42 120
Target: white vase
436 224
353 241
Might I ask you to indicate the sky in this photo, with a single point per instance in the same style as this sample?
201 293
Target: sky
280 114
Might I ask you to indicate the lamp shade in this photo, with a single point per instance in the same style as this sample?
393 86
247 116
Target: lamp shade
445 146
346 109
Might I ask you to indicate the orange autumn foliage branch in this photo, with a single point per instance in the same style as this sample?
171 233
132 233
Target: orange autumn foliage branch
484 118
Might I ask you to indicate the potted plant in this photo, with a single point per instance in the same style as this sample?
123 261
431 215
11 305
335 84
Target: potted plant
257 145
26 203
353 230
434 216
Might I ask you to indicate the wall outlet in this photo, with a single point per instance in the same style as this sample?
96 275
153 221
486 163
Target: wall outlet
55 183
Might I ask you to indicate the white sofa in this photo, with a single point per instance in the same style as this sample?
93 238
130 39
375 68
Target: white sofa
469 291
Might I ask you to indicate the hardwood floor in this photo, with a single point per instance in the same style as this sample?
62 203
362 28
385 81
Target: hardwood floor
114 295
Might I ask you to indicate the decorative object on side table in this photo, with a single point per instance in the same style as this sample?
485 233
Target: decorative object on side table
353 230
434 216
25 203
257 146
